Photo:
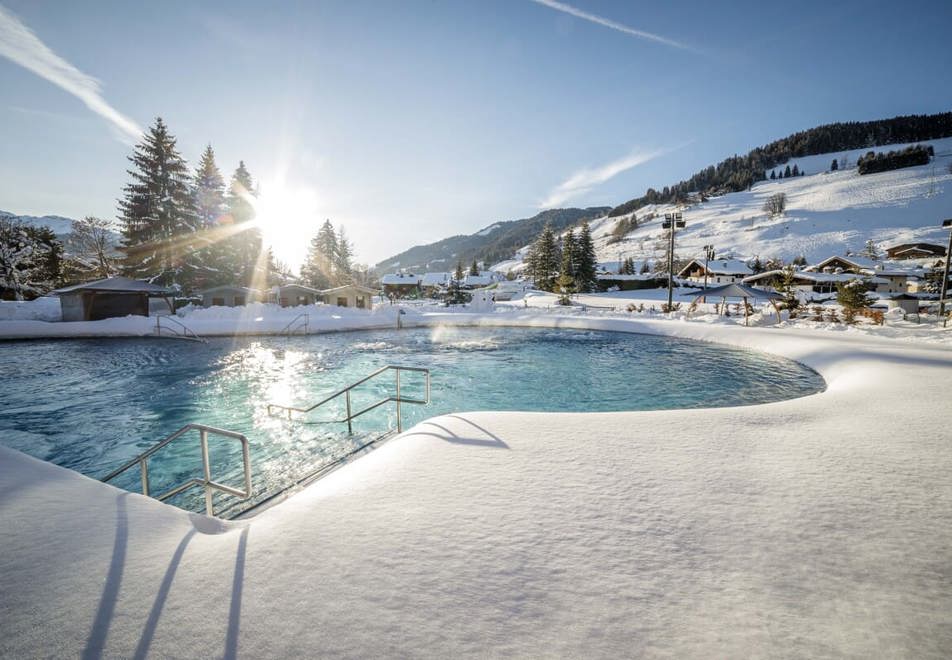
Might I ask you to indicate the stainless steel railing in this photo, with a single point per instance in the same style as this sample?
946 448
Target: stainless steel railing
142 460
182 331
345 392
294 325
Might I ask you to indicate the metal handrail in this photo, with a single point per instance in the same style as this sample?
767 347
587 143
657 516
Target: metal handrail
186 332
289 328
346 393
142 460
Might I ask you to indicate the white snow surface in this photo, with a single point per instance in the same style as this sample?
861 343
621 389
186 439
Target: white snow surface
815 527
828 213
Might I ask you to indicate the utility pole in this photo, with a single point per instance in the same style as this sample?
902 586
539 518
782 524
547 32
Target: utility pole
671 222
708 256
945 276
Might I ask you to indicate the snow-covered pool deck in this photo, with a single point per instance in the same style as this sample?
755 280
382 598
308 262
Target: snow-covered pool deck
820 526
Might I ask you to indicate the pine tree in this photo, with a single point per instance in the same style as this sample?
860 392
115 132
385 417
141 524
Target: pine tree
773 175
544 260
157 212
569 253
586 261
322 258
458 276
474 268
342 257
786 172
208 195
852 296
834 166
30 260
645 267
245 248
870 250
796 171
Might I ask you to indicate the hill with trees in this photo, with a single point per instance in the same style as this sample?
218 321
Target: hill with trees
740 172
494 243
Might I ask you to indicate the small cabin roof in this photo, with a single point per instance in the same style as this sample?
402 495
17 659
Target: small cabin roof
401 278
356 287
297 287
227 288
719 267
116 285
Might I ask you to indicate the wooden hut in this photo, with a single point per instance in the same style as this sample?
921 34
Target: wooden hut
349 295
109 298
292 295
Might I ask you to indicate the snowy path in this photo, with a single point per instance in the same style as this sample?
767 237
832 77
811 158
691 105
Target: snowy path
815 527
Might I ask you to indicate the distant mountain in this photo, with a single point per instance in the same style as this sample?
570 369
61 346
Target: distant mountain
494 243
61 226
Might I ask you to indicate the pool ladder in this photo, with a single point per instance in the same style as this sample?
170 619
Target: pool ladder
299 322
345 392
206 482
175 329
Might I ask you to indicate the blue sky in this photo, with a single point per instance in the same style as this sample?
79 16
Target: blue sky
411 121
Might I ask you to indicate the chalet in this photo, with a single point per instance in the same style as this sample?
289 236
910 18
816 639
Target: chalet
915 251
433 283
292 295
884 280
109 298
478 281
719 271
809 282
349 295
401 285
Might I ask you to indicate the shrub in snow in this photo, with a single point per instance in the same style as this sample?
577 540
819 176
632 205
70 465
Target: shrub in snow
852 297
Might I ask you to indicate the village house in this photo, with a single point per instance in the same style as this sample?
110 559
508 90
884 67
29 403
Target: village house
476 281
349 295
432 284
880 278
810 283
230 296
719 271
401 285
915 251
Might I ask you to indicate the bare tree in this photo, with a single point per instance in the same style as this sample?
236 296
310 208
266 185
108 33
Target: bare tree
776 204
93 238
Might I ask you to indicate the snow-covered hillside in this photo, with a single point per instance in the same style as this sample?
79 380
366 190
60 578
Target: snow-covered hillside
61 226
828 213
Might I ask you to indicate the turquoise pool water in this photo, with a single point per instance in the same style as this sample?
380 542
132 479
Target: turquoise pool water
91 405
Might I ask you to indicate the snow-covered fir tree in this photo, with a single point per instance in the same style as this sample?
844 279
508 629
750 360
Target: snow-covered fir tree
157 212
23 265
246 261
342 260
218 255
319 268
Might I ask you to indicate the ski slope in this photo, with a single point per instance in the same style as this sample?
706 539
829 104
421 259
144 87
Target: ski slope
828 213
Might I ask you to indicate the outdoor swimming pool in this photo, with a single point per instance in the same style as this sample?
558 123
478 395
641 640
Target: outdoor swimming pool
92 405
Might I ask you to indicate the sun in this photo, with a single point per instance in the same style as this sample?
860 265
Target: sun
287 218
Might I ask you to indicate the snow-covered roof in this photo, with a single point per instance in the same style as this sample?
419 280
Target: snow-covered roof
116 285
401 278
357 287
435 279
816 277
857 262
623 277
223 288
719 267
478 280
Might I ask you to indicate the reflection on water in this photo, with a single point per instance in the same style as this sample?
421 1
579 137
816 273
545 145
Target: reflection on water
91 405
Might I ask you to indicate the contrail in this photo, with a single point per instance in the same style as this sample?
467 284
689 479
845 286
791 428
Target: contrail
584 180
21 45
641 34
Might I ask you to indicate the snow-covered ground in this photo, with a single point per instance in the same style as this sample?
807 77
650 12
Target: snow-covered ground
816 527
828 213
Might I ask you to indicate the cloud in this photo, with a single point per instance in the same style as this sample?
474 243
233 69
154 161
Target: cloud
21 45
598 20
584 180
